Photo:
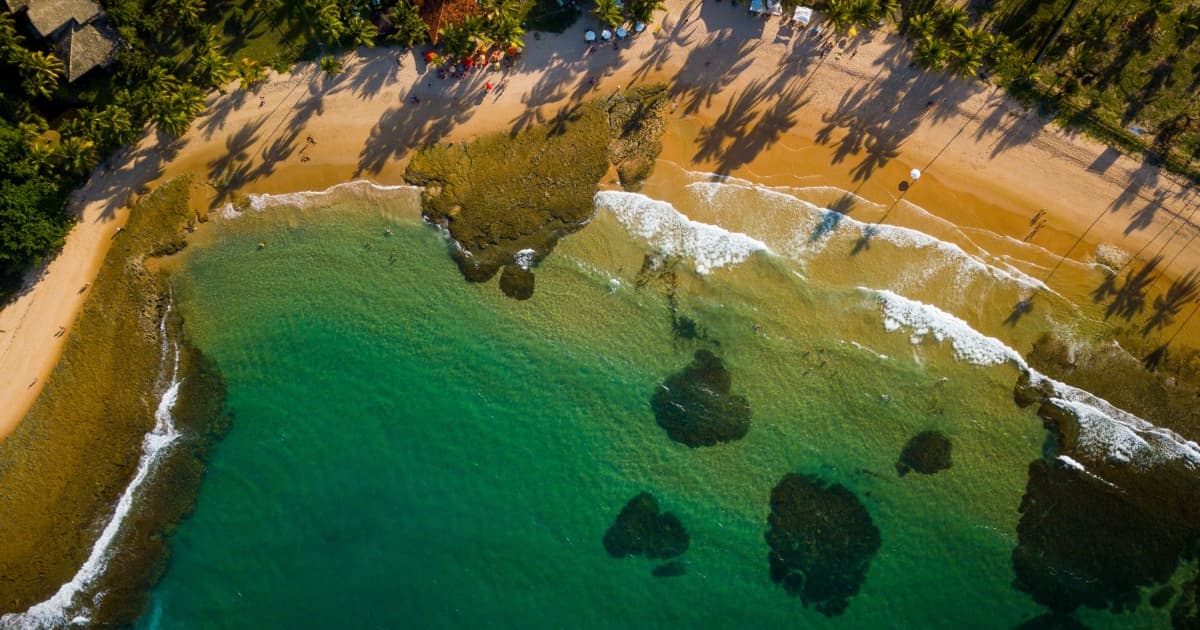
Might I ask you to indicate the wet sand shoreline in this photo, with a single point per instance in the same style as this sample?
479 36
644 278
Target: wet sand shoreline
759 101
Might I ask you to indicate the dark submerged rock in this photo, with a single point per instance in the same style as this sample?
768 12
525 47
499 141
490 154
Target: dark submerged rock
502 193
673 568
641 530
516 282
822 541
1186 613
695 405
1026 392
927 452
1162 597
1097 536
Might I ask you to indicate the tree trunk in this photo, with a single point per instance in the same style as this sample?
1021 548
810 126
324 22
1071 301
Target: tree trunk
1057 31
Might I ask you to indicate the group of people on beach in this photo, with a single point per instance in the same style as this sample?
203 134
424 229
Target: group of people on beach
309 141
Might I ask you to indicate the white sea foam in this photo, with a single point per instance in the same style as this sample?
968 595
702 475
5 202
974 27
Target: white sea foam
1070 463
927 320
818 225
658 222
1106 431
308 198
70 605
524 258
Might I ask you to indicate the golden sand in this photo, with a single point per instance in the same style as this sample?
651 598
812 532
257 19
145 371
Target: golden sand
754 100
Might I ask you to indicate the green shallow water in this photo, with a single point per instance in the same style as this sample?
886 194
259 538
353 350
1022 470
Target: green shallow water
409 450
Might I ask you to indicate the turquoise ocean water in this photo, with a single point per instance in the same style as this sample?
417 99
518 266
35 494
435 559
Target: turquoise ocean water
410 450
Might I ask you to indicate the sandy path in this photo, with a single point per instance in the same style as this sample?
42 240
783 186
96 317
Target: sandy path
762 101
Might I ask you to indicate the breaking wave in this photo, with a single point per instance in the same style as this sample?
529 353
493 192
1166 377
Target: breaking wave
71 605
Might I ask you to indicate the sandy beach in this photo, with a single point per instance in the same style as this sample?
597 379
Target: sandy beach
753 99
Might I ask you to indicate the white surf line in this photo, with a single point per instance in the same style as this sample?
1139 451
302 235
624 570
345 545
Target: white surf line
899 236
670 231
64 608
1106 431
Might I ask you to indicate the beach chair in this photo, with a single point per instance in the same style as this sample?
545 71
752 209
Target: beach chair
802 15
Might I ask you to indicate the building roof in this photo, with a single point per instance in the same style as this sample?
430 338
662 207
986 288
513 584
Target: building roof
16 5
439 13
86 47
48 16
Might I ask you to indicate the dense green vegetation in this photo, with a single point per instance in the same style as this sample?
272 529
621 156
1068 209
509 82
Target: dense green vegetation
52 134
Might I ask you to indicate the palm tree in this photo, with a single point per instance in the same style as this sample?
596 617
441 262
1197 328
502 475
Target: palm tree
930 53
212 69
76 155
114 125
965 61
410 28
250 72
608 12
457 40
361 32
887 10
331 66
508 32
185 12
10 40
951 19
840 13
921 26
174 112
863 12
40 72
493 10
643 10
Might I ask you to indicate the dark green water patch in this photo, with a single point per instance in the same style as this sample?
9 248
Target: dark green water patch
696 406
927 453
673 568
642 530
502 197
822 541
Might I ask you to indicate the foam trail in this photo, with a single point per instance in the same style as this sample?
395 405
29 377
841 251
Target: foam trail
308 198
820 224
69 606
1106 431
668 230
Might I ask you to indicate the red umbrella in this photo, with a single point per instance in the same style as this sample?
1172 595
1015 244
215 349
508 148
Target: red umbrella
489 86
513 50
430 56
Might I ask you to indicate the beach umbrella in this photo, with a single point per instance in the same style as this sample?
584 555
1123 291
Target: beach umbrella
853 31
590 35
621 32
606 34
639 27
915 174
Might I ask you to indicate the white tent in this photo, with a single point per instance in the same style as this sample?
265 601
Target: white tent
803 15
